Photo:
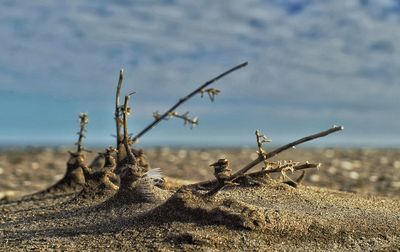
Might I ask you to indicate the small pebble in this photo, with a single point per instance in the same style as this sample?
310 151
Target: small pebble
373 178
182 153
18 171
384 160
171 158
27 183
164 151
396 164
357 164
35 165
335 162
1 170
6 194
354 175
315 178
332 170
396 184
329 153
347 165
204 155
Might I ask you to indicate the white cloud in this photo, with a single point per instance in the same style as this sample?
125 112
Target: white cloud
309 53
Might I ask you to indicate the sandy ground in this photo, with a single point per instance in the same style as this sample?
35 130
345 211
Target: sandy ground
314 216
366 171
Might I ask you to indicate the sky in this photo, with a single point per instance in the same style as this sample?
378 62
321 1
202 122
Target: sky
312 64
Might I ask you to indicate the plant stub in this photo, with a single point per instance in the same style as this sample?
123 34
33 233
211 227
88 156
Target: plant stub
99 184
74 178
135 183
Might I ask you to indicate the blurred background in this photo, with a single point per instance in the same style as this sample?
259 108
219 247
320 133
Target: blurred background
312 64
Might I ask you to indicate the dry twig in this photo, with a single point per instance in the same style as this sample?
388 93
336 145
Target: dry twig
184 99
218 187
83 122
271 154
117 115
126 111
185 117
286 147
261 140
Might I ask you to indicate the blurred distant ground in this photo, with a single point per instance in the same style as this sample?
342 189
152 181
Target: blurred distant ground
365 171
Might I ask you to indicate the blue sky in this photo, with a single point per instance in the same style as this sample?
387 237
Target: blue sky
312 64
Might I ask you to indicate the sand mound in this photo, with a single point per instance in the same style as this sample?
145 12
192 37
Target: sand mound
191 206
264 217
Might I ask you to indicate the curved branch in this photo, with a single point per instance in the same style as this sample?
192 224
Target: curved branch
184 99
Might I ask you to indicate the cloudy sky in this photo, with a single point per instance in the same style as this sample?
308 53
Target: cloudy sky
312 64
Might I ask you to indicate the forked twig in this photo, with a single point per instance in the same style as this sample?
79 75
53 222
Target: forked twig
271 154
184 99
285 147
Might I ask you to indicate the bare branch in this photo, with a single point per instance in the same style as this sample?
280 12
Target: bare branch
269 155
184 99
219 186
285 147
117 115
126 111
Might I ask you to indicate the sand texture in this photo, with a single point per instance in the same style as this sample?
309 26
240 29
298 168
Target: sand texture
350 204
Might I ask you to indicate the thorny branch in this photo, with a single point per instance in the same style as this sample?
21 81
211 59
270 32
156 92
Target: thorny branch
185 117
307 165
297 167
184 99
271 154
287 166
258 174
285 147
83 121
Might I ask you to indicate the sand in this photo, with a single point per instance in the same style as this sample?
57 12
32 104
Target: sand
352 203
